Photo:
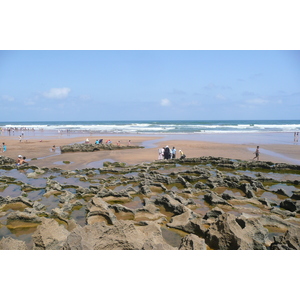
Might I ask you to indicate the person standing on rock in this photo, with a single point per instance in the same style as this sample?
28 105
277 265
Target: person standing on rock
256 153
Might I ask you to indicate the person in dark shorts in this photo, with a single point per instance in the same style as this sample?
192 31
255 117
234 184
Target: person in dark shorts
256 153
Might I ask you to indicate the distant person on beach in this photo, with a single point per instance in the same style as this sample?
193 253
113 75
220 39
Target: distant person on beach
167 153
161 153
23 161
256 153
87 141
173 153
296 137
19 160
53 148
3 147
20 138
129 142
182 155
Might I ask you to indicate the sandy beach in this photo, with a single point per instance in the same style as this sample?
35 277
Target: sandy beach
38 149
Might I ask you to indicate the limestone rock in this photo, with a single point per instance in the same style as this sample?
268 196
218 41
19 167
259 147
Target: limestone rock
12 244
231 233
49 236
192 242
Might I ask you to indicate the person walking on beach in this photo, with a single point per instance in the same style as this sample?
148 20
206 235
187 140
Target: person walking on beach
296 137
256 153
3 147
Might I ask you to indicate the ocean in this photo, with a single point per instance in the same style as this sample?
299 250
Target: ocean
159 127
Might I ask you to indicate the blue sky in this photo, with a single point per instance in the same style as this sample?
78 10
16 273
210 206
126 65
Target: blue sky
149 85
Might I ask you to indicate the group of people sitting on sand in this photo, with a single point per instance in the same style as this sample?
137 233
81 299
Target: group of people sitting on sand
167 153
21 160
108 142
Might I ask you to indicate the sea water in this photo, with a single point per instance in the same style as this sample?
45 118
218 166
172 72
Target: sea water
177 127
231 131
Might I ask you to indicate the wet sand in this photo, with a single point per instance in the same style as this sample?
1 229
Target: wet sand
236 147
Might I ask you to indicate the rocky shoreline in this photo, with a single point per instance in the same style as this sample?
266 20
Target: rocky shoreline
191 204
95 147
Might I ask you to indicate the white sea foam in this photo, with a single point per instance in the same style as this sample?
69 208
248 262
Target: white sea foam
154 127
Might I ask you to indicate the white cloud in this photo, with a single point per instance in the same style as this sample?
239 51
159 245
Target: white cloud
8 98
57 93
165 102
221 97
29 102
210 86
257 101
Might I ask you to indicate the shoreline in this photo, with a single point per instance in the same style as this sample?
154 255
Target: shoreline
277 148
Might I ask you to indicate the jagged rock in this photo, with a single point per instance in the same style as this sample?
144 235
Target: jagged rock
274 221
149 212
52 185
247 189
93 147
3 186
189 222
192 242
281 212
153 239
8 243
24 216
289 205
231 233
264 201
59 213
66 196
38 206
4 160
49 236
232 181
123 235
184 182
170 204
290 240
226 196
213 199
21 199
145 189
200 185
109 193
214 182
214 213
100 208
296 195
282 192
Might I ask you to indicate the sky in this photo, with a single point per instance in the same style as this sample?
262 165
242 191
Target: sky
100 85
149 85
